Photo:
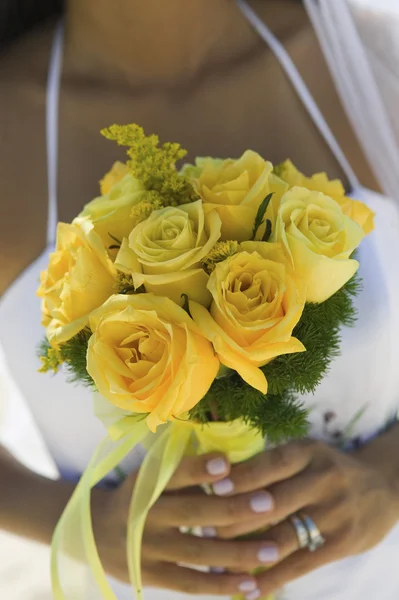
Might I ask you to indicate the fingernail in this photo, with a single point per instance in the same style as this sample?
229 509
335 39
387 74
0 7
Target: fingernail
261 502
218 570
247 586
253 596
221 488
209 532
268 554
216 466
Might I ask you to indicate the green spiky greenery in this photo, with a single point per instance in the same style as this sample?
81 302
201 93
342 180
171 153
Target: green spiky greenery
280 414
71 354
320 332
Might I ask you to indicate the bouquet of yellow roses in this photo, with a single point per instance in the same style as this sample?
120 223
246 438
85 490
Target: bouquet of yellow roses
198 304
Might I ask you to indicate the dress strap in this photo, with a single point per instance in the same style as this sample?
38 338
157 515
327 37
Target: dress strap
300 86
52 102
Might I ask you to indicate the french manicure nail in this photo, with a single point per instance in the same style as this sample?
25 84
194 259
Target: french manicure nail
261 502
268 554
253 596
247 586
209 532
221 488
216 466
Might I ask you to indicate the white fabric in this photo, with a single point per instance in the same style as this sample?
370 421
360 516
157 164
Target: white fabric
377 22
358 398
373 115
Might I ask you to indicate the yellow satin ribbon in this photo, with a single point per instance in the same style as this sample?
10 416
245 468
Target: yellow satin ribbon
73 539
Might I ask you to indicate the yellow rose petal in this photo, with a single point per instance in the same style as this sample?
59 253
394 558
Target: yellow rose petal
236 189
356 210
165 251
191 282
318 239
117 172
146 355
79 278
111 213
256 305
323 276
228 352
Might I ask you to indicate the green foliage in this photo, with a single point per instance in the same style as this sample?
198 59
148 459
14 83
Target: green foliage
320 332
72 354
268 231
154 165
260 215
280 417
186 305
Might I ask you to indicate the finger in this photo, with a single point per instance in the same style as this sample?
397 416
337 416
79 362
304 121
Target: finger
281 537
289 498
189 581
266 468
193 550
308 488
197 470
297 565
191 510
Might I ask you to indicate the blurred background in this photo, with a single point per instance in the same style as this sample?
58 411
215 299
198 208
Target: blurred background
24 567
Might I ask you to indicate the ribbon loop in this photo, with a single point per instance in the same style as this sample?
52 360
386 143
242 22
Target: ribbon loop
74 543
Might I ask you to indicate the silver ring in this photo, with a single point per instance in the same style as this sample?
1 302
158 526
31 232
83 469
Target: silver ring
316 540
301 531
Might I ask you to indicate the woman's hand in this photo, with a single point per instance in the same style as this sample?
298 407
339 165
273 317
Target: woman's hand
165 548
353 500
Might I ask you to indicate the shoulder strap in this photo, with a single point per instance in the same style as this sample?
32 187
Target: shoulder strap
303 91
52 102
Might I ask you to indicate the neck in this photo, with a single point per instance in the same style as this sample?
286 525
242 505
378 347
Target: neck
153 41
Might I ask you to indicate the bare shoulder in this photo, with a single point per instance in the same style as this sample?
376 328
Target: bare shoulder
23 72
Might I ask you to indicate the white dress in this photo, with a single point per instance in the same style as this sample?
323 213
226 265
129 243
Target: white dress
357 400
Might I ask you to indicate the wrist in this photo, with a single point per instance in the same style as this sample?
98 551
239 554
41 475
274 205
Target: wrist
382 455
32 506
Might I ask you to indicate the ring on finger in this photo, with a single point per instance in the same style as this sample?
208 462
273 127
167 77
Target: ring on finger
301 532
316 540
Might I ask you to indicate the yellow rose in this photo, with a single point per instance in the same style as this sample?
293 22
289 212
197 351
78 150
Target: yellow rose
319 240
355 209
114 176
147 356
255 307
79 278
164 252
111 213
235 188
